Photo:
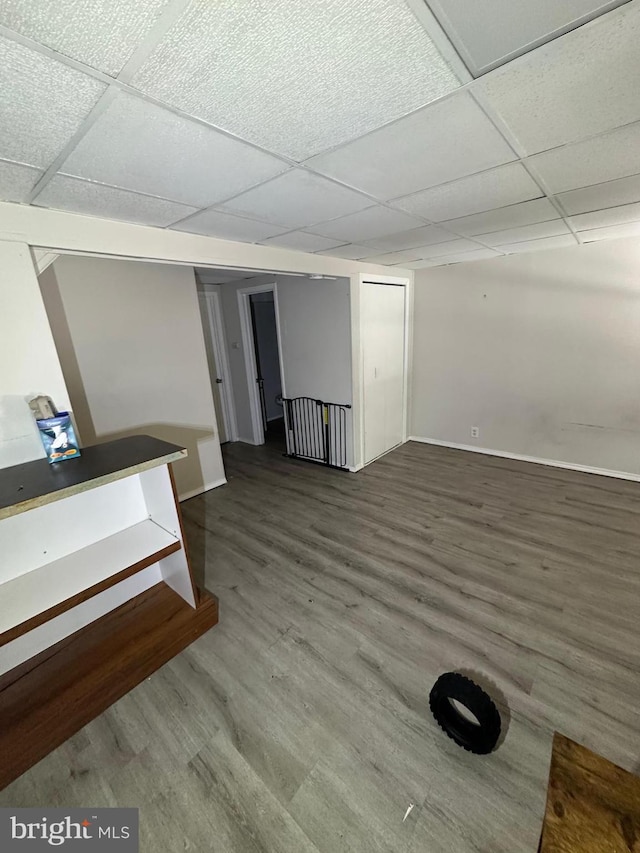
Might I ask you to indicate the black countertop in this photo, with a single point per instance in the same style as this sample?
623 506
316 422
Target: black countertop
35 483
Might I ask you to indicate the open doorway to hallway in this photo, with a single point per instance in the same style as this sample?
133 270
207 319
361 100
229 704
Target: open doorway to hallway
288 344
268 368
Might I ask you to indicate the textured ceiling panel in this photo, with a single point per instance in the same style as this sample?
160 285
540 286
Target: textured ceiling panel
446 141
296 199
604 218
613 232
79 196
42 104
489 32
605 158
494 188
527 232
300 241
584 83
479 254
350 252
213 223
390 258
562 242
297 77
16 181
142 147
527 213
424 236
367 225
420 265
610 194
100 33
451 247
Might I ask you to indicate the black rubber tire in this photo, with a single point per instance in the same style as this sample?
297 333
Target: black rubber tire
479 738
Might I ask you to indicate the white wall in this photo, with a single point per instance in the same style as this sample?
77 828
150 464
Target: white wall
130 341
28 358
315 327
540 351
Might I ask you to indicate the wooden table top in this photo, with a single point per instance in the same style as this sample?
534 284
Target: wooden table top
34 484
593 806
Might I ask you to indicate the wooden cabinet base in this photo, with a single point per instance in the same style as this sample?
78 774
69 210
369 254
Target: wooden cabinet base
53 695
593 806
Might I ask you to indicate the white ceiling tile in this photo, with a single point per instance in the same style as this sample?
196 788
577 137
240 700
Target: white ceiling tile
445 141
367 225
297 77
489 32
605 158
64 193
583 83
42 104
562 242
424 236
142 147
527 232
494 188
604 218
391 258
451 247
609 194
16 181
297 199
213 223
100 33
302 241
420 265
478 254
350 252
527 213
613 232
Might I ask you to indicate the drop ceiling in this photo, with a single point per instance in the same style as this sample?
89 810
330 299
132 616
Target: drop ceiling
403 132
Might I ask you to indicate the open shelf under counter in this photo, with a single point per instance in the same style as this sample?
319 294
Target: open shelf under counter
96 589
53 695
35 597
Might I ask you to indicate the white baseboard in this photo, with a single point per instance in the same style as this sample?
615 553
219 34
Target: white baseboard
553 463
184 496
355 468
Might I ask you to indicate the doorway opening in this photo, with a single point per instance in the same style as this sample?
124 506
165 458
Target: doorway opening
261 338
268 369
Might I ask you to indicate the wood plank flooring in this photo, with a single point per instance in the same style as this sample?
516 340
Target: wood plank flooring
301 722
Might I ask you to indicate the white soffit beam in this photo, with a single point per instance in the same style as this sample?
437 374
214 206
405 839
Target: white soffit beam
70 232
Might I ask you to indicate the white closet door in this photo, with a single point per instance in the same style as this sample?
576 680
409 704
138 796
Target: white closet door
383 344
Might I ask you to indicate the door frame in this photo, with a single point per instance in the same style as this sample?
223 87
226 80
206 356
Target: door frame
213 308
244 309
358 357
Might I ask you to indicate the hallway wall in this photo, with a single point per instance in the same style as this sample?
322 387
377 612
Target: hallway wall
129 338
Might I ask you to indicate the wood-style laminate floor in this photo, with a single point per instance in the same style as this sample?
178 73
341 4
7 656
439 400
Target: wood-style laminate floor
301 722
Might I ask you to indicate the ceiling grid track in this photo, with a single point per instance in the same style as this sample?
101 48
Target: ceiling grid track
359 199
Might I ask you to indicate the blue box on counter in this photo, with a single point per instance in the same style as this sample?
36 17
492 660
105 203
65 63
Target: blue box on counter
58 437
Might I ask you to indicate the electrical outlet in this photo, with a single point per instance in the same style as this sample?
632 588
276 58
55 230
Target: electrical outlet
475 432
